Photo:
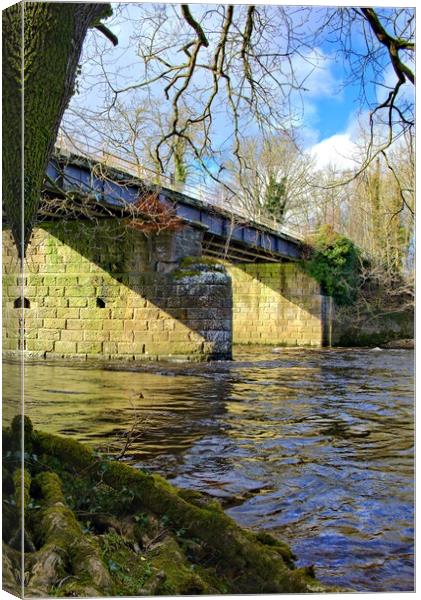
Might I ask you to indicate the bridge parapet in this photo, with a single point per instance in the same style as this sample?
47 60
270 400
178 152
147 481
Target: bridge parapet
99 188
217 199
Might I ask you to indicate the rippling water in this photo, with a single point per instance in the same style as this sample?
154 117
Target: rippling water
315 446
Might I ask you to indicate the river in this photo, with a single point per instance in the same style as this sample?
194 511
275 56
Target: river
315 446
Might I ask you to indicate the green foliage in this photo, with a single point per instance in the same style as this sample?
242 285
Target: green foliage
334 262
275 197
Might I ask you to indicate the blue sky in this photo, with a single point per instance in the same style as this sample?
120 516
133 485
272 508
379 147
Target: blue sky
328 123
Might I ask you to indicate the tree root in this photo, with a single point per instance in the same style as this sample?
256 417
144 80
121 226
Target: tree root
256 566
131 533
11 571
63 544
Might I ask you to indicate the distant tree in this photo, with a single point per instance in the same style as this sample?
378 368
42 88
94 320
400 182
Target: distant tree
274 180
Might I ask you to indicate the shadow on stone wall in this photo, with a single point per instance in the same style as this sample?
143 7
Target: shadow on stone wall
277 303
102 288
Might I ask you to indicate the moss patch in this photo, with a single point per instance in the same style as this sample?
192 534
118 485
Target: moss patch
188 261
100 527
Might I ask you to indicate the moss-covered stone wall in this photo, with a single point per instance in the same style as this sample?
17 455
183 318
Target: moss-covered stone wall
277 304
105 291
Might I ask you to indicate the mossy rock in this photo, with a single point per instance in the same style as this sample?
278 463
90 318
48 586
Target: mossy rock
189 261
98 527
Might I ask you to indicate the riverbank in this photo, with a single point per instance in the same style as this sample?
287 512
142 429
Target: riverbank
95 526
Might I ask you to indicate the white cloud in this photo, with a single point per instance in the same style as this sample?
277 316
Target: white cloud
314 71
337 151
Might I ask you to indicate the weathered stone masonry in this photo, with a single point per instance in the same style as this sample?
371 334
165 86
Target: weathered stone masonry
277 304
105 291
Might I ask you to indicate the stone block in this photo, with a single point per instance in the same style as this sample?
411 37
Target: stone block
154 326
77 324
88 280
48 280
30 291
192 336
113 325
214 336
167 348
65 347
83 291
121 336
149 314
40 345
48 334
73 267
77 302
89 347
141 325
109 347
135 301
95 313
108 291
42 291
161 336
71 335
130 348
66 281
67 313
142 336
54 323
180 336
91 324
14 291
50 268
122 313
96 336
55 290
9 344
34 323
46 312
54 301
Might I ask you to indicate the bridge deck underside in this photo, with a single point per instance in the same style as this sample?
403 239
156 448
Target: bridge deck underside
225 234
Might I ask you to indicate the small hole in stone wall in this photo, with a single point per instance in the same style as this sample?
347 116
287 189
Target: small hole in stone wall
21 302
100 303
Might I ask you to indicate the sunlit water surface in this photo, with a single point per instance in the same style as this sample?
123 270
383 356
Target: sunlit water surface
315 446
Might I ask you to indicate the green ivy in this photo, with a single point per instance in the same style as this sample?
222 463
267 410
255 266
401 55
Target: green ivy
334 261
275 199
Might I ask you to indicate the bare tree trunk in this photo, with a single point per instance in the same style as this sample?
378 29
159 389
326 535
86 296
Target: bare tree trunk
42 43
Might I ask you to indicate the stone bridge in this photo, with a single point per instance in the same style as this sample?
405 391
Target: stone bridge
104 280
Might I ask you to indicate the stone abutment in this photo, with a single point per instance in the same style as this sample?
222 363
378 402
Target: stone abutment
104 290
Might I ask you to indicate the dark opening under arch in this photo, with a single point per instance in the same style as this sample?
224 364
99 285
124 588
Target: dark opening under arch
21 302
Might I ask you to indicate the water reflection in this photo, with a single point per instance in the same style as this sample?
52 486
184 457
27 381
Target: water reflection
315 446
99 406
